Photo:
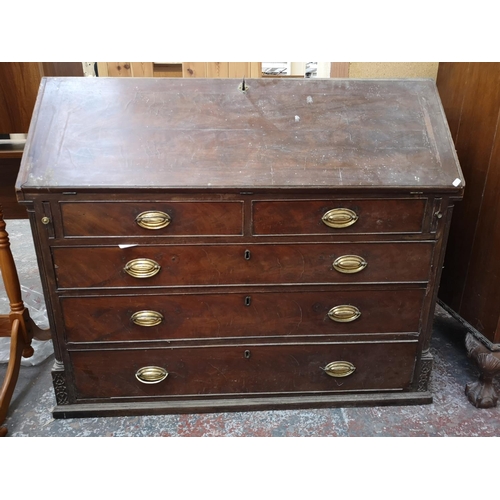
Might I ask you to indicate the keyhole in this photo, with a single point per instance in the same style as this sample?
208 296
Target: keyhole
247 354
248 300
247 255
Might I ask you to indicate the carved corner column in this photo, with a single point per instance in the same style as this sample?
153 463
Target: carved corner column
482 394
59 383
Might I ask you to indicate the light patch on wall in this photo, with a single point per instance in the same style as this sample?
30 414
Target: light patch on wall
393 70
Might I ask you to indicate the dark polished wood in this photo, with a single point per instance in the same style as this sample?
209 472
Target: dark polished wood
470 286
240 314
227 264
280 133
246 296
9 169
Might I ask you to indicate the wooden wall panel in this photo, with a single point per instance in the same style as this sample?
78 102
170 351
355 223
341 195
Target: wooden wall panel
339 70
470 282
62 68
218 70
119 69
141 69
19 83
194 69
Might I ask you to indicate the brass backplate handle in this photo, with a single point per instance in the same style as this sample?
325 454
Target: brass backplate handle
151 374
153 219
339 369
344 313
147 318
349 264
339 218
142 268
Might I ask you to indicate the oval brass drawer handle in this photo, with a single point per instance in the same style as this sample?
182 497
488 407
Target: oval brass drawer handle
339 369
349 264
142 268
153 219
344 313
151 374
147 318
339 218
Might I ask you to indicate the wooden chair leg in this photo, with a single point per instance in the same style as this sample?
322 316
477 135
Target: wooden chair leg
20 326
17 347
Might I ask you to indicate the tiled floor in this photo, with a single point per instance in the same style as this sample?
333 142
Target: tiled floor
449 415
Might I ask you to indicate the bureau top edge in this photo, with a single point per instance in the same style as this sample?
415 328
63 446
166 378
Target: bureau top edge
26 194
132 133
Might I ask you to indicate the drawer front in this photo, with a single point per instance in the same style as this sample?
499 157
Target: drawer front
152 219
198 316
182 265
337 217
244 369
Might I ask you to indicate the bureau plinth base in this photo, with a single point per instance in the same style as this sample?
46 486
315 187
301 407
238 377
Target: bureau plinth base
89 410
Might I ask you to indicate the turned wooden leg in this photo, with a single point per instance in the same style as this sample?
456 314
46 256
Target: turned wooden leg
482 393
9 383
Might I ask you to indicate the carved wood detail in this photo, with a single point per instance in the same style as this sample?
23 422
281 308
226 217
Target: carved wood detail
482 393
59 383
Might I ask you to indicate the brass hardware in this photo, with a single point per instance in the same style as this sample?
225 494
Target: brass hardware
153 220
349 264
142 268
339 369
439 215
248 255
339 218
344 313
247 354
151 374
45 220
147 318
248 300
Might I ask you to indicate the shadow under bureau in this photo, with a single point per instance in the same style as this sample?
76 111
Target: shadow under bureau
210 245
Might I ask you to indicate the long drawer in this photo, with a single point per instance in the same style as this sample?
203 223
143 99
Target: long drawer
252 314
208 370
193 218
184 265
292 217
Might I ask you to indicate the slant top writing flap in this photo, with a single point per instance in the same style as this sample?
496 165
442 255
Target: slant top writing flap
207 134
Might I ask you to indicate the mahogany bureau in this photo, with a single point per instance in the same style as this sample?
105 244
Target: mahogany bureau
218 244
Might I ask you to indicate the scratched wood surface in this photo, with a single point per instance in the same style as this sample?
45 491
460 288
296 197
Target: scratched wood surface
206 133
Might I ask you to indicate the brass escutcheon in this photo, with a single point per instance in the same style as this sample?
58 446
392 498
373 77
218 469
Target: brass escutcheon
151 374
142 268
153 219
339 369
344 313
147 318
349 264
339 218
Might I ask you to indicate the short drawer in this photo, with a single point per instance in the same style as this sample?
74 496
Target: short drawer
232 315
100 219
204 371
327 217
185 265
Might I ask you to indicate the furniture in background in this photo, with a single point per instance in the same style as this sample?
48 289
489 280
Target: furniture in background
181 69
230 247
470 284
17 325
19 83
